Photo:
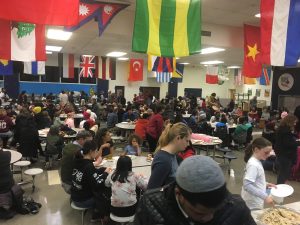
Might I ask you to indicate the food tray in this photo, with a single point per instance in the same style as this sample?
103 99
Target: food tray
279 215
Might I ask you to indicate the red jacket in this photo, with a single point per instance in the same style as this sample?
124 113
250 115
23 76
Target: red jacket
5 124
155 125
140 127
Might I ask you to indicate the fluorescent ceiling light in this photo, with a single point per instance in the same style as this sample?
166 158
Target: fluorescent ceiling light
123 59
233 67
58 34
298 60
48 52
213 62
257 15
211 50
184 63
53 48
116 54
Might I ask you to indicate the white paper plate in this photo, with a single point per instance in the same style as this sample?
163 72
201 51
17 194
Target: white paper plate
282 190
132 156
115 158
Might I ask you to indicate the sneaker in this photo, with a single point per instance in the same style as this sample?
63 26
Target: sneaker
58 158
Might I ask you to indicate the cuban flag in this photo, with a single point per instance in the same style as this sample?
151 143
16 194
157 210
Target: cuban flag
280 32
34 68
265 76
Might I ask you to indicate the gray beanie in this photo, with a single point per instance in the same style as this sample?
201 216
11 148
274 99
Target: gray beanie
198 174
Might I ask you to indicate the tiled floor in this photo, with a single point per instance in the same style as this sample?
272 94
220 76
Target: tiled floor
56 208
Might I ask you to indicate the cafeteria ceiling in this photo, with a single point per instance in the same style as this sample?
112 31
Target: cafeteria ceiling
223 18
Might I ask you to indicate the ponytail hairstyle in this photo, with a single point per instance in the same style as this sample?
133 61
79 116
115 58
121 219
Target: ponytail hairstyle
256 143
172 131
88 146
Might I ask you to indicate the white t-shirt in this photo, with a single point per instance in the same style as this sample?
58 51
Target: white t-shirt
255 173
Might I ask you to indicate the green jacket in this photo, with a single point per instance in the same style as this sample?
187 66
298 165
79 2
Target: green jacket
67 162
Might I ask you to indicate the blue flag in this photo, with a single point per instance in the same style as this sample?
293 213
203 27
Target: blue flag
177 75
6 67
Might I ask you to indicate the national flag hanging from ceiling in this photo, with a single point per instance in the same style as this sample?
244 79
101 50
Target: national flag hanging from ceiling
238 77
161 64
104 75
252 52
67 64
104 12
167 28
6 67
280 33
22 41
112 68
49 12
212 75
163 77
249 80
136 67
265 76
87 66
177 75
35 68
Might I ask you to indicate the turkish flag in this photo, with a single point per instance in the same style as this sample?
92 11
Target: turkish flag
252 52
136 70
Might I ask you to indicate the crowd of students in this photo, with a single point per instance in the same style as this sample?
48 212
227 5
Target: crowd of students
182 188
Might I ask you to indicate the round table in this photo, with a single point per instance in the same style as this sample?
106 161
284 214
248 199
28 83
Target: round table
126 125
215 141
15 156
44 132
140 165
76 116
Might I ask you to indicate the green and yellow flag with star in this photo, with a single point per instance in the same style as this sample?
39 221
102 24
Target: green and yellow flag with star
252 56
168 28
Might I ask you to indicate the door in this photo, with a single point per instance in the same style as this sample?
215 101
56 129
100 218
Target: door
120 91
172 89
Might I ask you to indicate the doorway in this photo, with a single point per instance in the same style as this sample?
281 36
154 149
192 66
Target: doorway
154 91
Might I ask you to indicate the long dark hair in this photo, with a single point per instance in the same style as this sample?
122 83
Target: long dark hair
124 167
87 147
99 136
256 143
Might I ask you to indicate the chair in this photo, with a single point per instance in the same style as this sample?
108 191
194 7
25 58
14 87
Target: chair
82 209
240 139
222 133
229 156
121 220
249 135
33 172
22 164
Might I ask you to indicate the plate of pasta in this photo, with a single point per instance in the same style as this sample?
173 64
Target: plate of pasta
279 216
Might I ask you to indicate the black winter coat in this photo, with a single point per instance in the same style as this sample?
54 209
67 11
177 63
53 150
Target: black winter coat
159 206
285 144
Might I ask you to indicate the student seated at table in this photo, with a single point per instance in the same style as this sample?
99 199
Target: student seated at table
129 115
203 127
88 182
124 186
253 115
104 142
188 152
69 121
192 121
55 144
87 118
133 147
240 133
141 126
11 194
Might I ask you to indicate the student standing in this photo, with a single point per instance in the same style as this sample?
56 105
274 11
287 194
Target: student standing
254 182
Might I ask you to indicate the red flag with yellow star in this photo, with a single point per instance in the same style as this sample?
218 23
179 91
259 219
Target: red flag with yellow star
252 52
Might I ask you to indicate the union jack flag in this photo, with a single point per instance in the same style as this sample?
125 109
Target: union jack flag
87 66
